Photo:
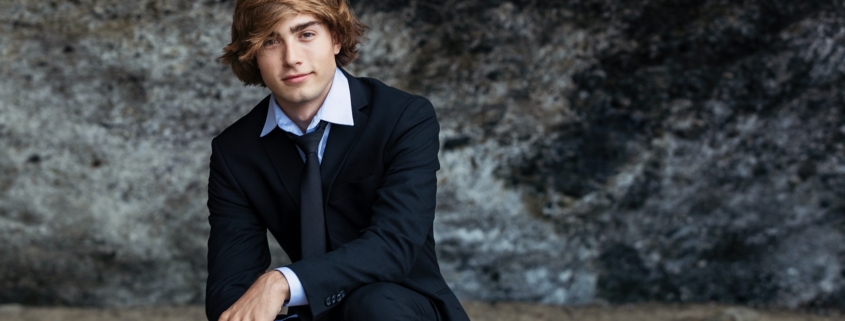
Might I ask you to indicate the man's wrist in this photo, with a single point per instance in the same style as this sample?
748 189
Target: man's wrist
281 286
297 293
280 283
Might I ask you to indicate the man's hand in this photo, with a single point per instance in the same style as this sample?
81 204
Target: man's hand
262 301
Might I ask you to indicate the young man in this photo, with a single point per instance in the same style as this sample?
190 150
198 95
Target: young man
340 169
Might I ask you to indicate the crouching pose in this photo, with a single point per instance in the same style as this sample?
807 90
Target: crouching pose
341 170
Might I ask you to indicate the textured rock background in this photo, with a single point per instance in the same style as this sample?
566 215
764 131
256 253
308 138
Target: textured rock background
593 150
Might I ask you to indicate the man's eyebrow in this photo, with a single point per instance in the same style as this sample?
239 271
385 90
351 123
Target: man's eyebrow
299 27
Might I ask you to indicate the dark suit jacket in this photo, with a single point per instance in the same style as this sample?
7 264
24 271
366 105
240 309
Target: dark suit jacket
379 189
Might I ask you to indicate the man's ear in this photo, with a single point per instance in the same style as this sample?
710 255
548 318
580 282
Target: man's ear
336 44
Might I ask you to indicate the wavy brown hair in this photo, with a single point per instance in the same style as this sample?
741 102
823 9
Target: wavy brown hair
254 20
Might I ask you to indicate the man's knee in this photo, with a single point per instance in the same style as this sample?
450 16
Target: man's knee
366 302
386 301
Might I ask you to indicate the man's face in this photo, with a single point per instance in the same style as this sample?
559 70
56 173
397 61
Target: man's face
297 62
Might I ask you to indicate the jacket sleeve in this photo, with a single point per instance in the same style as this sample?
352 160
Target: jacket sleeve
237 245
402 215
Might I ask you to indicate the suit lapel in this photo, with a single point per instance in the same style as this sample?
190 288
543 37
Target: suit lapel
286 161
341 138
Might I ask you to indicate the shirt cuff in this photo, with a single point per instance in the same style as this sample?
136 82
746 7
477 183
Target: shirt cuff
297 294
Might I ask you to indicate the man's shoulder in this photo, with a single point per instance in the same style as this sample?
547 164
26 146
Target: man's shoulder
248 126
386 98
379 89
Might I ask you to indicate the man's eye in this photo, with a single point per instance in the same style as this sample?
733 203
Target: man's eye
270 42
308 35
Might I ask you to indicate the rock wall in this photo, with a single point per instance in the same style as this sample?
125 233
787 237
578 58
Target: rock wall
593 150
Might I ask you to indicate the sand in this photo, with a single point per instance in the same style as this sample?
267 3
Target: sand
477 311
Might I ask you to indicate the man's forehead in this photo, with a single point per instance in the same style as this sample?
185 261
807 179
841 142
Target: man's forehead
295 22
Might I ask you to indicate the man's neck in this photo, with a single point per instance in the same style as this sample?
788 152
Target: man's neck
302 114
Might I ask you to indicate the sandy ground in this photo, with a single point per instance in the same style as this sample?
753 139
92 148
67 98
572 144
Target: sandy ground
477 311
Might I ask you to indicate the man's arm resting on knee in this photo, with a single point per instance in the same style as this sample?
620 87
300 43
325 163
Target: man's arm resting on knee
237 243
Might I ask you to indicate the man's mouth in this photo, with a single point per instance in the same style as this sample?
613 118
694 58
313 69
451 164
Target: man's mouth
294 79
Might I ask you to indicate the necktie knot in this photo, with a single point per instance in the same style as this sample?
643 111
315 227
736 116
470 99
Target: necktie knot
309 142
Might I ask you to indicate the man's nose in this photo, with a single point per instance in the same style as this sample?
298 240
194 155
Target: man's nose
293 55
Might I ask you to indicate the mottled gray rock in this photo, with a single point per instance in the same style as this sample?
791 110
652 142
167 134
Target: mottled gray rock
107 109
592 150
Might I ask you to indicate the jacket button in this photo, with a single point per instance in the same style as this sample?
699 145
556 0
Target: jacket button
340 296
328 301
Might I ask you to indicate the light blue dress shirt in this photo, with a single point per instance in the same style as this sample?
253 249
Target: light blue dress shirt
336 109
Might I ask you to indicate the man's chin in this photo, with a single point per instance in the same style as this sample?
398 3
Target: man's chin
295 100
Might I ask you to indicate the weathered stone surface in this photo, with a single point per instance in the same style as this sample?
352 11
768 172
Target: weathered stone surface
592 150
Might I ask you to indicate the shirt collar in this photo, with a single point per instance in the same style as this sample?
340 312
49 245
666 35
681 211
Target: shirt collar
336 109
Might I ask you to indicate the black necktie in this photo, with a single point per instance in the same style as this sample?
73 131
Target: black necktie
312 220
